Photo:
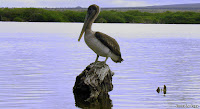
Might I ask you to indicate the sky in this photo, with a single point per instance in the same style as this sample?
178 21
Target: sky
86 3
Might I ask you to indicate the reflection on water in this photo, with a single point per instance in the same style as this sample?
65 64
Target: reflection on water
39 71
103 101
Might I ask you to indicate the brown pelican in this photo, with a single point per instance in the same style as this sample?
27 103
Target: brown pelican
100 43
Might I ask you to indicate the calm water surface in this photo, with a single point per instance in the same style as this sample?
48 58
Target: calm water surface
40 62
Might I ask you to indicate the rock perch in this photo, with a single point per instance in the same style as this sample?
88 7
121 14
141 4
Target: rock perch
93 84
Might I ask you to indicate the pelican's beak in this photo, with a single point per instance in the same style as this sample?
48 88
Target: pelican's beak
84 27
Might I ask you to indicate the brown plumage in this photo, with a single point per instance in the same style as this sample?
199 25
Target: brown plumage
109 42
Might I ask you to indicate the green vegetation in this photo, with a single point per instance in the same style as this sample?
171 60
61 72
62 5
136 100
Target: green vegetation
132 16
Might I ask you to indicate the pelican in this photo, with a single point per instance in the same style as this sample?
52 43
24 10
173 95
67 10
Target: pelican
102 44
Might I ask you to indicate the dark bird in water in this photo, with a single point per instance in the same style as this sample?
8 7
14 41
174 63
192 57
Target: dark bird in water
100 43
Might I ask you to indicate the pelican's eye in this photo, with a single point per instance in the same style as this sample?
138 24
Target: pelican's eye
92 8
89 9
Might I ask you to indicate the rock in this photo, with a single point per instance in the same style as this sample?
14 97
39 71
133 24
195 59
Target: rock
165 89
93 84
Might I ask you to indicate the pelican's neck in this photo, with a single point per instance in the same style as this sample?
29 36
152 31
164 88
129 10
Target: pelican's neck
88 31
89 26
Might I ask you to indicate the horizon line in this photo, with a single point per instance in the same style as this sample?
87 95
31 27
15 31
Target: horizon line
79 7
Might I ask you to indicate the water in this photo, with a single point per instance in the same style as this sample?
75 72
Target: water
40 62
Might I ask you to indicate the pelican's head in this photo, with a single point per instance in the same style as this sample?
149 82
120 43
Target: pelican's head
92 13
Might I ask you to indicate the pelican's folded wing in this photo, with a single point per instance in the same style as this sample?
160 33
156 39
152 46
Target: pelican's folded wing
110 42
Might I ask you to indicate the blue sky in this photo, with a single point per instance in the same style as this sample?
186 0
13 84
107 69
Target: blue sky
86 3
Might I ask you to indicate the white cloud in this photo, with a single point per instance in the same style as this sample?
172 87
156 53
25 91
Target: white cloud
86 3
17 3
127 3
24 1
71 3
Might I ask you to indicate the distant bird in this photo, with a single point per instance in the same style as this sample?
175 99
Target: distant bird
100 43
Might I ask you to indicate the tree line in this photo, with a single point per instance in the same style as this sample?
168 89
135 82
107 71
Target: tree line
131 16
